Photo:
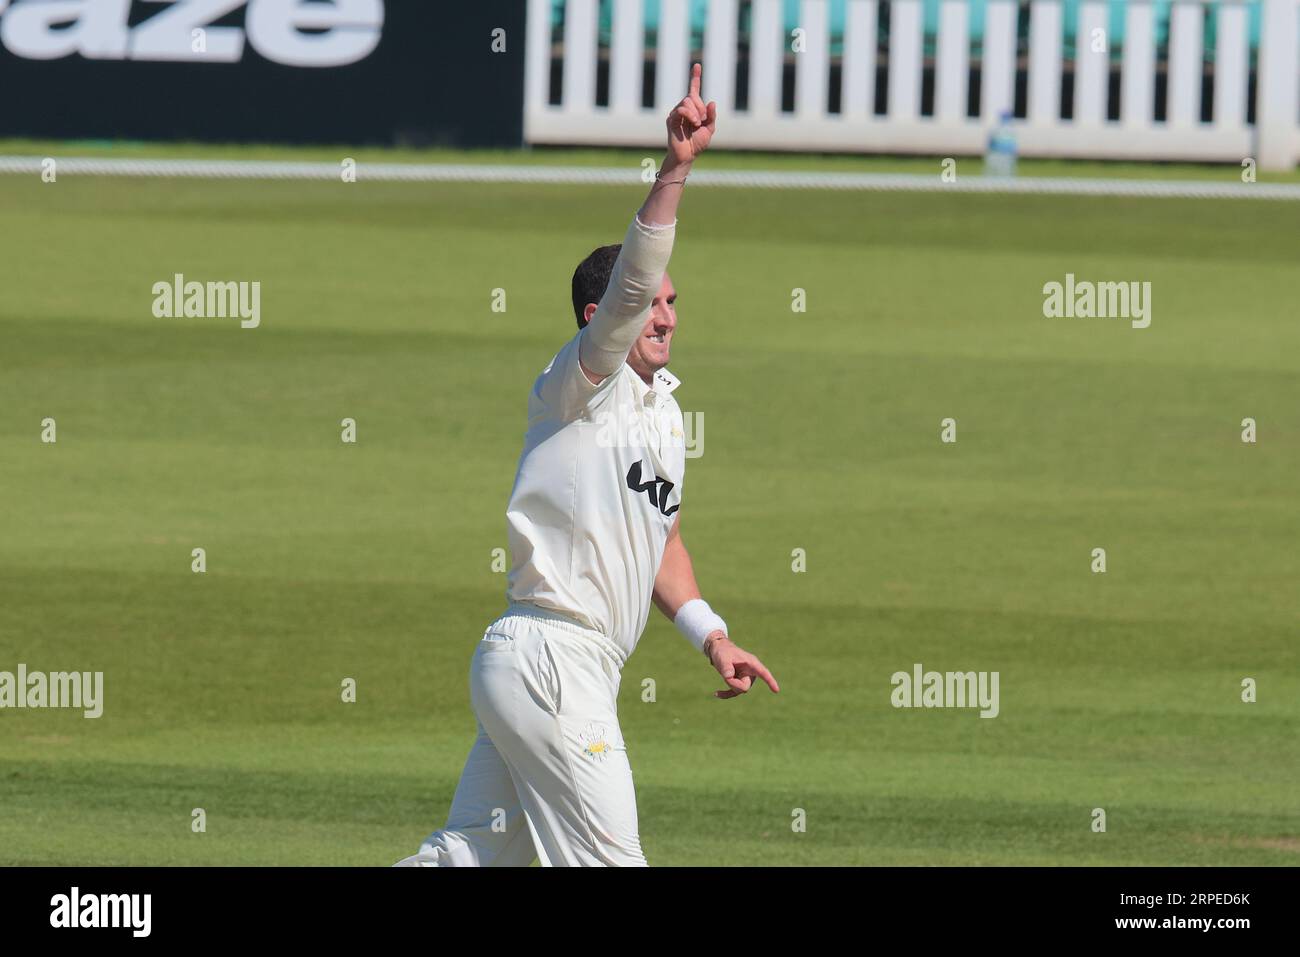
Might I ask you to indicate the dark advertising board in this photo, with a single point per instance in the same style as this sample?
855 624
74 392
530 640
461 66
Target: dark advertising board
418 72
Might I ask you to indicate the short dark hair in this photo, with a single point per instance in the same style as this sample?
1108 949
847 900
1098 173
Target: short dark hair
591 278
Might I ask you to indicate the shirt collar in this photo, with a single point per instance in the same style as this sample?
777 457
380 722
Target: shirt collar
664 383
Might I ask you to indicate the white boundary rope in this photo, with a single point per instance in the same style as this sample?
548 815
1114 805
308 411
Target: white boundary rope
754 179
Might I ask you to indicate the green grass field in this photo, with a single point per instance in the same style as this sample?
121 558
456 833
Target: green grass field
373 561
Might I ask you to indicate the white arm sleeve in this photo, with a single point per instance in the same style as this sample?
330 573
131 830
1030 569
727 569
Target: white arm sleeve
621 313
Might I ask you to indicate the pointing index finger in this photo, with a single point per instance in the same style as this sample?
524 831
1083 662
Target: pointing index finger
696 70
766 676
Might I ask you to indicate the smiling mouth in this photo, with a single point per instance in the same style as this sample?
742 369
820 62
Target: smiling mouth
657 337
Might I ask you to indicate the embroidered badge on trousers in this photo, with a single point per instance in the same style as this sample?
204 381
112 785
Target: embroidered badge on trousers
594 742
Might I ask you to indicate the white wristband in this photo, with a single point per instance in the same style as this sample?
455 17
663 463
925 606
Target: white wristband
696 620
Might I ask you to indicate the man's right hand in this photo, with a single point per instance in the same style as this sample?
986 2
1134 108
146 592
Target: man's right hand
691 124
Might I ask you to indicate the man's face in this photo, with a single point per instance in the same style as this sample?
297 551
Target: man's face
650 351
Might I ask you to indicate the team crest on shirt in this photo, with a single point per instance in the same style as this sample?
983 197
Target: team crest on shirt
595 743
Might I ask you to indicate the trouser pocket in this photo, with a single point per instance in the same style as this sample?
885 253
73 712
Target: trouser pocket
549 684
493 676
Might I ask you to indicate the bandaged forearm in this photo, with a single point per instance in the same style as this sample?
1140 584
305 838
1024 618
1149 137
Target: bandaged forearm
696 620
621 314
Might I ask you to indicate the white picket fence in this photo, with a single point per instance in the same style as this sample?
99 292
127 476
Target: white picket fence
1273 139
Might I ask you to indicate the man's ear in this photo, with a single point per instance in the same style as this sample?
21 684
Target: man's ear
588 311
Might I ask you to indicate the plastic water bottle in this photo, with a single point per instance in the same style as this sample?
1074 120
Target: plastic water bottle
1000 158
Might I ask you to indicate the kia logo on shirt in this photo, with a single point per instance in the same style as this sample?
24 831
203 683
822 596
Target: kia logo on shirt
657 488
342 32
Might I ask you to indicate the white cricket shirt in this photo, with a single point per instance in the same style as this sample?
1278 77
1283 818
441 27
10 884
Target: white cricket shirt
597 491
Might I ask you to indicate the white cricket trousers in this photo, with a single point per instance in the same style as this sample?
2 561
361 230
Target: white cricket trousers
548 775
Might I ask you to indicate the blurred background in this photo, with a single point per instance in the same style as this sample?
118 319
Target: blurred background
1184 80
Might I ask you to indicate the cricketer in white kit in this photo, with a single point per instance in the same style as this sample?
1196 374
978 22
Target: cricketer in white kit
594 532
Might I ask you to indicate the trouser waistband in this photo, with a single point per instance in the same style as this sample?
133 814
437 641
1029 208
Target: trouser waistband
554 619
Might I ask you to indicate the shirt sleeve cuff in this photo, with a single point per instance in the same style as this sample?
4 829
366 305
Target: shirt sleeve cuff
653 227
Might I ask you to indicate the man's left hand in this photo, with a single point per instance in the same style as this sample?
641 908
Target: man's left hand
737 666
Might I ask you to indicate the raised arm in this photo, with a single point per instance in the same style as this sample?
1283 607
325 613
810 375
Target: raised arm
691 126
648 244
